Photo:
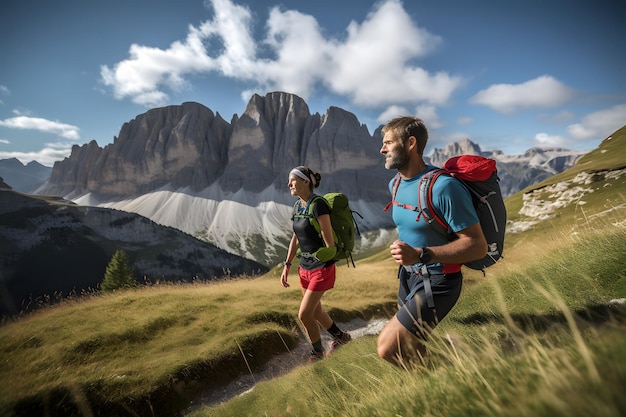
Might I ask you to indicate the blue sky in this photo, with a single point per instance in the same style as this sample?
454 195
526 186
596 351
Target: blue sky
506 74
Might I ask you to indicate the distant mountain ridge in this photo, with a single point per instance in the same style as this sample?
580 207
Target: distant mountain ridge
50 245
186 167
24 178
518 171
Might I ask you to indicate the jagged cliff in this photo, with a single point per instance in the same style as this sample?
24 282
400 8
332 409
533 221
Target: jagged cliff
186 167
182 145
189 146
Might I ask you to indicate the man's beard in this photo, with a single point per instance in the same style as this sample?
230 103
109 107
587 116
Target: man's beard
399 159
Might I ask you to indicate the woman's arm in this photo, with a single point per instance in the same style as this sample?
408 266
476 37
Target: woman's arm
326 229
291 253
329 251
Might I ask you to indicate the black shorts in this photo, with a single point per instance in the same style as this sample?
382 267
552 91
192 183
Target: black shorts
414 312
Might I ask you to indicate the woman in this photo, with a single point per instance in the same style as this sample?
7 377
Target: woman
317 264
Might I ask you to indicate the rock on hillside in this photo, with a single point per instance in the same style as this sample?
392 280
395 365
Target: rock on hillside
50 245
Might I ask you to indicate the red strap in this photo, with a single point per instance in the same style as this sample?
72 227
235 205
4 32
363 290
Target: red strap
429 200
394 190
451 268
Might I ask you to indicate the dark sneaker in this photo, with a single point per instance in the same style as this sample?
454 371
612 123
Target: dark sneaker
339 341
316 356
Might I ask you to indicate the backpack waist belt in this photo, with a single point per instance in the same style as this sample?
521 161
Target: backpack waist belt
436 268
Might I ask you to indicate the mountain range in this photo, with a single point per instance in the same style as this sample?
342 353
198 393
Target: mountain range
185 167
51 247
24 178
191 196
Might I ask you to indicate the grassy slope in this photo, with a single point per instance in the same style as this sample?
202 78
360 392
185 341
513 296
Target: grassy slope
152 347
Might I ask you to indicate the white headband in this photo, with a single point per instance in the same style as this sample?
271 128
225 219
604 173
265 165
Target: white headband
300 174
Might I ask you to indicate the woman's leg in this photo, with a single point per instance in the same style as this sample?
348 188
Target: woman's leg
311 313
322 316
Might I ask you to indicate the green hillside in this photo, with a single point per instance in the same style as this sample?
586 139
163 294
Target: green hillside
543 334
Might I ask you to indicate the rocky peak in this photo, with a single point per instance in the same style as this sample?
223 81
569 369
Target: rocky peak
182 145
264 141
439 156
188 146
70 176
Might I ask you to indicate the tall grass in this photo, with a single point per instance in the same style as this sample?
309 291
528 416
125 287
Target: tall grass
535 337
540 338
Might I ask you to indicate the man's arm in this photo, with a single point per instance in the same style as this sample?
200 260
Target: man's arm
470 245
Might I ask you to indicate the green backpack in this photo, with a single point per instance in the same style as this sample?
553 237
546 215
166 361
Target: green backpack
342 221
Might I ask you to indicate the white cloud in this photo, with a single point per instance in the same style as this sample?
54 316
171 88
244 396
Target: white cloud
43 125
302 54
5 141
544 91
425 112
599 124
429 115
392 112
464 120
543 139
46 156
373 66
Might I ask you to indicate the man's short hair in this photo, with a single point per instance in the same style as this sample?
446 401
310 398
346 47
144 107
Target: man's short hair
407 126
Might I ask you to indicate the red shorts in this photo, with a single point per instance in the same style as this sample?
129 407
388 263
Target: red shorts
319 279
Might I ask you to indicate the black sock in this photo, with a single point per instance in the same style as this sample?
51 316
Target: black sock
334 330
317 346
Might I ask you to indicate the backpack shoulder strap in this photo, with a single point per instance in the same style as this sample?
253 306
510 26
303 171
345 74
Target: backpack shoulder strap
309 212
425 202
394 190
294 210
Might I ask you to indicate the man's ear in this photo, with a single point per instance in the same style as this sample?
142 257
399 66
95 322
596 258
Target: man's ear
412 142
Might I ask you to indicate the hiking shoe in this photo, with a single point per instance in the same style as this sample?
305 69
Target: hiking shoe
339 341
315 356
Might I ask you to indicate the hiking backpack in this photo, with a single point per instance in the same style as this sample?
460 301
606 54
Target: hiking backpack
342 221
480 176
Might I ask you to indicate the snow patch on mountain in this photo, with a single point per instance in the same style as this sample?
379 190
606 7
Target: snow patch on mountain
236 221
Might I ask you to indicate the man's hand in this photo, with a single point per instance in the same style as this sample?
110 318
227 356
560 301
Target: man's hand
403 253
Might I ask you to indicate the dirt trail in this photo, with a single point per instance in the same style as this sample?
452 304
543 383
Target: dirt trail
281 365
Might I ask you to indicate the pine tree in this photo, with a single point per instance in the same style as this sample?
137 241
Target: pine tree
118 274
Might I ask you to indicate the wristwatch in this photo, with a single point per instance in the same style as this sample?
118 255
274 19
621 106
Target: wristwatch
425 256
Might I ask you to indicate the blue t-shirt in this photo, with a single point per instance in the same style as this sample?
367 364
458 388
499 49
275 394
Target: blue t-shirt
450 198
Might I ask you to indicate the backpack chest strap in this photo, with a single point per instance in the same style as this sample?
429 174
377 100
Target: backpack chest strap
394 190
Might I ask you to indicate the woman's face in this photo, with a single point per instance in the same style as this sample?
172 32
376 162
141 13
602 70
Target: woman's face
297 185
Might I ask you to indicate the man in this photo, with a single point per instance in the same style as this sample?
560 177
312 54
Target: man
430 273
